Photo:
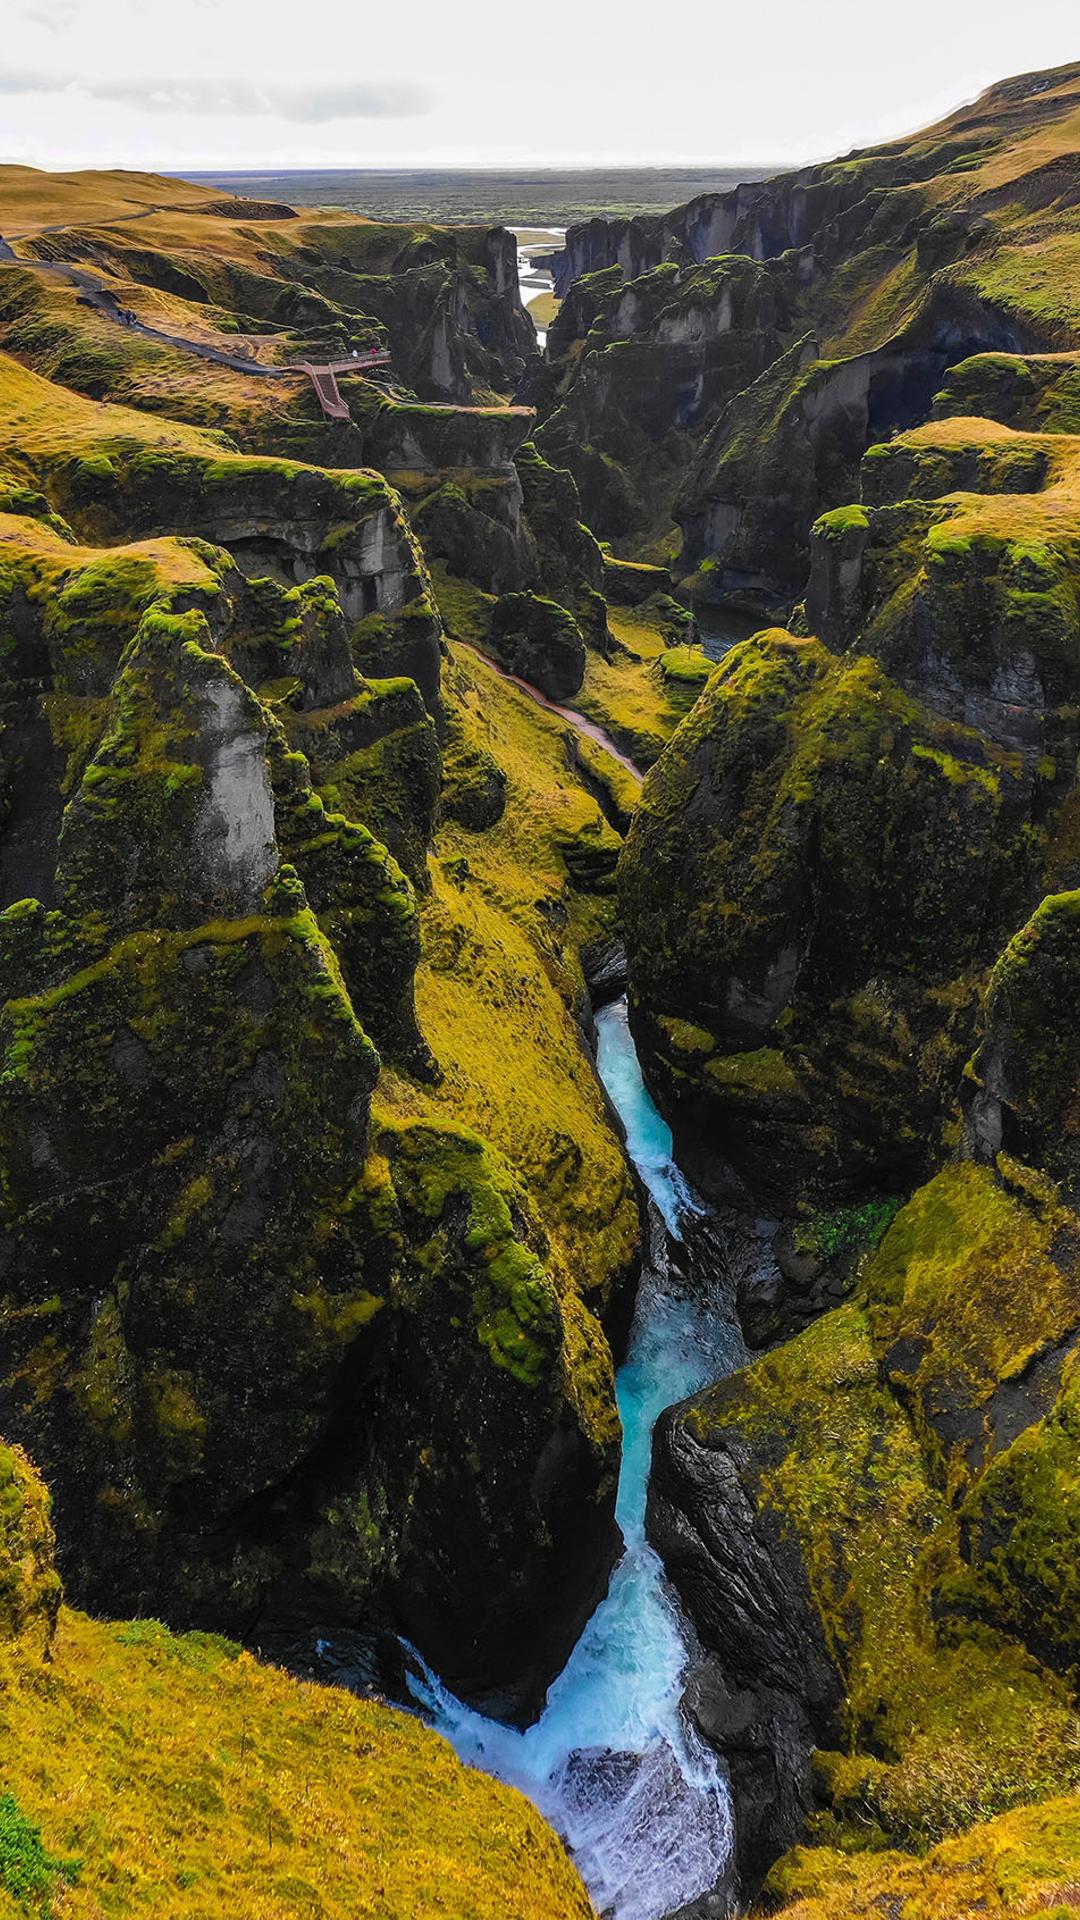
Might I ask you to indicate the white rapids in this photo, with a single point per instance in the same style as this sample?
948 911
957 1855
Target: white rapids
612 1762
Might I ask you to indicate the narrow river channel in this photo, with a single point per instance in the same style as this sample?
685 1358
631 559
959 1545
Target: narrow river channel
611 1762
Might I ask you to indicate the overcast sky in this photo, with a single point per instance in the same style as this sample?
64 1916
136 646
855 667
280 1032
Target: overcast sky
259 83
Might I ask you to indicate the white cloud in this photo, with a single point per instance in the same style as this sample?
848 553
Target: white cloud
263 84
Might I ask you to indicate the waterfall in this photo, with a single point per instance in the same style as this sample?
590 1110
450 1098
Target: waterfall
612 1762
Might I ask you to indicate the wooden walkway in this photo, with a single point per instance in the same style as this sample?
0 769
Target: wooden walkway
93 292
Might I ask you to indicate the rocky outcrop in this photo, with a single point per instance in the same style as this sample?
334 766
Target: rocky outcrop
819 206
819 869
474 524
540 642
861 284
967 529
427 1438
768 1693
402 435
638 365
855 1523
791 444
510 530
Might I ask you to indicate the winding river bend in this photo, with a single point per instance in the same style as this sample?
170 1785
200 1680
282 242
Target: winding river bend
611 1762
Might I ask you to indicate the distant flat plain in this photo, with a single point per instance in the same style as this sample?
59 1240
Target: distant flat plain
537 197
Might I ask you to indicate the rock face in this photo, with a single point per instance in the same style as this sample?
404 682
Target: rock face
872 1530
638 365
839 841
791 444
444 301
287 1353
745 1588
511 530
207 990
850 910
803 318
538 640
818 869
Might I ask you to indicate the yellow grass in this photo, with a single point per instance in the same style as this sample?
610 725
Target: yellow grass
627 695
190 1780
31 199
500 975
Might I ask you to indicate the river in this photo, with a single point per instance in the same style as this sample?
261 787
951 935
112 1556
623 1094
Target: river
535 244
611 1762
721 628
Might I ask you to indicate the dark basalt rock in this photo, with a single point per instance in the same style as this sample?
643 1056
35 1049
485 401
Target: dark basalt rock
542 643
790 445
791 894
768 1694
644 366
341 1426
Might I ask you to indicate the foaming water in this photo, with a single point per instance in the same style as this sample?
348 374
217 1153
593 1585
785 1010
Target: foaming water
611 1762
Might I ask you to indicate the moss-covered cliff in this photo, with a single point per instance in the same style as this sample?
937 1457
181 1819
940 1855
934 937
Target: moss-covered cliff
872 1530
850 910
869 277
290 1337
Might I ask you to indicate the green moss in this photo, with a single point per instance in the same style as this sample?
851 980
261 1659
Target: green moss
514 1311
1021 1532
938 1728
964 1291
29 1873
811 846
852 1229
843 520
685 666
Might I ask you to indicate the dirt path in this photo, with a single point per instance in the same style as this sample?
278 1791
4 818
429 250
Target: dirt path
570 714
94 293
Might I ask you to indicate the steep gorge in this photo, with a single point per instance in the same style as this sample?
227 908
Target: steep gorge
321 1245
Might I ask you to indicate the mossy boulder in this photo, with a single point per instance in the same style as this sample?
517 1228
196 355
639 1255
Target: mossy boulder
959 575
473 525
376 758
539 641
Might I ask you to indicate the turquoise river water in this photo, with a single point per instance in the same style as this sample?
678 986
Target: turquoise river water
612 1762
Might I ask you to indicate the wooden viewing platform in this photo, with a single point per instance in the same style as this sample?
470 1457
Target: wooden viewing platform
324 379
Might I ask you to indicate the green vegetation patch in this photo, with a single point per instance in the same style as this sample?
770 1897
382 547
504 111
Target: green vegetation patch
28 1871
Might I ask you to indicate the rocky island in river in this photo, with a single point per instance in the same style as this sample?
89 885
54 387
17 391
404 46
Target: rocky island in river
383 697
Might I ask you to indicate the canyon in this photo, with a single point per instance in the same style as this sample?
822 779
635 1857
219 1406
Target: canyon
539 932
